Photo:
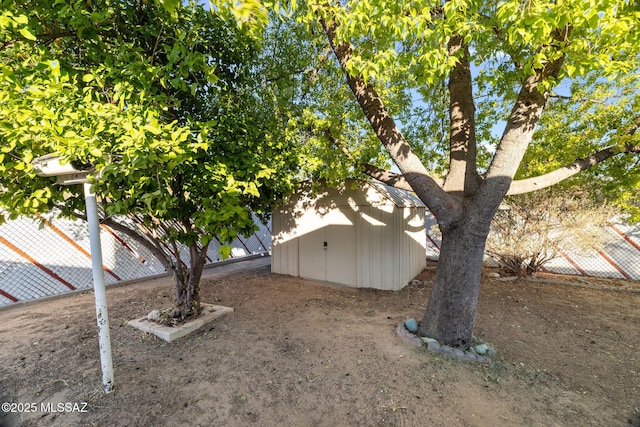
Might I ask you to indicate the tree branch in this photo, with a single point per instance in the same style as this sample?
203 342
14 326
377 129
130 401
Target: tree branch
390 178
462 175
547 180
387 177
519 129
379 174
446 209
144 241
148 242
529 185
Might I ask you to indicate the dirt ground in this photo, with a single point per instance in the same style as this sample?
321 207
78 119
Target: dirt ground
304 353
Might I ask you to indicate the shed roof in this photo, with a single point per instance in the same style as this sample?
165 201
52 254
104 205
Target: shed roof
355 191
400 198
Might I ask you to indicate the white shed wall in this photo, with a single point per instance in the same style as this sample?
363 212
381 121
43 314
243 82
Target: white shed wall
391 252
370 241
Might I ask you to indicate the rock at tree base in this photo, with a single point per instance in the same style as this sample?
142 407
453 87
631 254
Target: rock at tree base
411 325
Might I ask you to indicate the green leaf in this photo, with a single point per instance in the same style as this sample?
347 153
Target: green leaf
55 67
224 251
188 124
170 6
27 34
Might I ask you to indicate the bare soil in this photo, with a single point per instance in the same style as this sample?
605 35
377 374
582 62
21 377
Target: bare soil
303 353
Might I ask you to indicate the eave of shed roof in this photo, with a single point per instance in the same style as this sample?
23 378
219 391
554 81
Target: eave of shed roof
400 198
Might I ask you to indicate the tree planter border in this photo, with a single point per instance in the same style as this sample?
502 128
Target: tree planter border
172 333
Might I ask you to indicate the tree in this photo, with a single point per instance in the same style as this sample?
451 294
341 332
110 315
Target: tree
484 74
186 141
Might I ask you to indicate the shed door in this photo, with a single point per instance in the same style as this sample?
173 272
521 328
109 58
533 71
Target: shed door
312 256
341 254
329 254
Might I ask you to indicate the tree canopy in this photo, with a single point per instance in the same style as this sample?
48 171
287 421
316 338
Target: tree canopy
407 53
186 137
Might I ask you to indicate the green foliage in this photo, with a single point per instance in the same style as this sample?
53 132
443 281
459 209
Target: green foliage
401 48
250 15
464 79
598 113
165 101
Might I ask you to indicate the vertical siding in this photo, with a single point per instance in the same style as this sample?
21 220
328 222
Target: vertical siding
341 255
376 248
416 241
404 247
400 251
364 250
392 253
389 247
284 254
369 242
402 258
293 264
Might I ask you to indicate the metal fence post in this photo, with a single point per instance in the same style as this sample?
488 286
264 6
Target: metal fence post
99 288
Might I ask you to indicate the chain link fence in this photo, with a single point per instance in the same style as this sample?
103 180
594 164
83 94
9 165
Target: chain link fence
619 257
42 257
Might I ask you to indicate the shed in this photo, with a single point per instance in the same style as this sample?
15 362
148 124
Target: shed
363 234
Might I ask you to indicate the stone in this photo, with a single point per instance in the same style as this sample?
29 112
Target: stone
481 349
493 275
458 353
469 356
428 340
445 349
483 359
154 316
411 325
401 330
434 346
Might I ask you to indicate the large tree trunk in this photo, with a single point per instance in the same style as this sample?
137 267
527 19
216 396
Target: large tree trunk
450 315
187 278
187 297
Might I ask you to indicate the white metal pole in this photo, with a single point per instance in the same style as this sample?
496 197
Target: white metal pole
99 288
